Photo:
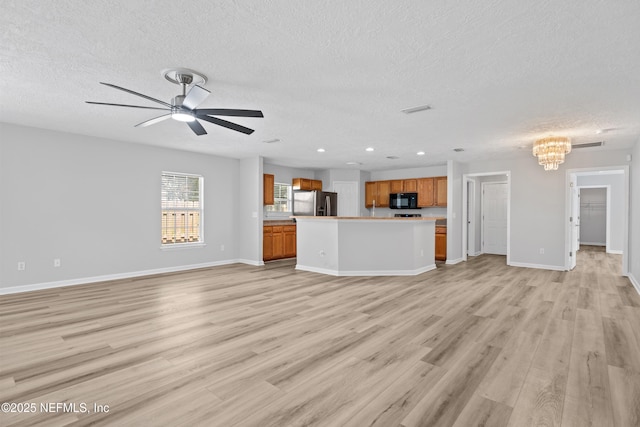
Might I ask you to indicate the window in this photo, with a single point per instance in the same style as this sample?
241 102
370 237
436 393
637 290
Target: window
281 198
181 200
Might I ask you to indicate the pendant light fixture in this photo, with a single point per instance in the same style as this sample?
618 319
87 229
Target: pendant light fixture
550 151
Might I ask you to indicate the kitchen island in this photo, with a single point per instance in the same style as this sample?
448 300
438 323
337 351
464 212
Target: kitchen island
365 246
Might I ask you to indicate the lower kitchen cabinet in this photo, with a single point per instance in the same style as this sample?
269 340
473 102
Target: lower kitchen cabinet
278 241
289 241
441 243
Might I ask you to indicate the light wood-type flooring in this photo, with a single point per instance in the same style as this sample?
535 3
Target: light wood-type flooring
476 343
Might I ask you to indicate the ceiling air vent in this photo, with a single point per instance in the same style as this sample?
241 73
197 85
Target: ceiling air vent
588 145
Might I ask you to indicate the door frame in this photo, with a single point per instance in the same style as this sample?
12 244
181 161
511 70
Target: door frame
471 223
567 211
465 200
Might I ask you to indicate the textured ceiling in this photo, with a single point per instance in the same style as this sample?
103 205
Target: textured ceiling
332 74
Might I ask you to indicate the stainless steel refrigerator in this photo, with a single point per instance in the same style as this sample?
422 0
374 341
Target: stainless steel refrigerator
315 203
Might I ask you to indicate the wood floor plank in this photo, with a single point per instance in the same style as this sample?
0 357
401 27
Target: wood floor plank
625 396
240 345
588 399
446 400
506 377
542 396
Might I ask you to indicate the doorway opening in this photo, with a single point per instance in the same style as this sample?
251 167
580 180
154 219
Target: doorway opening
486 214
597 203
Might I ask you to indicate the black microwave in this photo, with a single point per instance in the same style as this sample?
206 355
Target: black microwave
403 201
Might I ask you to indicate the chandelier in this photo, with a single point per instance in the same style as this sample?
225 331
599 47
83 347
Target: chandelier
550 151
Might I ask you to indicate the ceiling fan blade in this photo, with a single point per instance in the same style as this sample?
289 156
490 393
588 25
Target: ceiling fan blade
230 112
127 105
136 93
197 128
154 120
195 96
226 124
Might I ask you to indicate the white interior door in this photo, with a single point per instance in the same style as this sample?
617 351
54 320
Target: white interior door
495 198
348 197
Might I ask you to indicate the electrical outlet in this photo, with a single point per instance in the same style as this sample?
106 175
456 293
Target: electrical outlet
541 251
56 262
222 248
22 266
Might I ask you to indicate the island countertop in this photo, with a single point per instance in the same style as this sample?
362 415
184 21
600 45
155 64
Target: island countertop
365 246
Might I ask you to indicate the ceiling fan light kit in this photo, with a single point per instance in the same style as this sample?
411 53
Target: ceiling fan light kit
183 107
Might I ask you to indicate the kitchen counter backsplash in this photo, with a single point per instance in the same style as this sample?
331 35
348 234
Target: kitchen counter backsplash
278 222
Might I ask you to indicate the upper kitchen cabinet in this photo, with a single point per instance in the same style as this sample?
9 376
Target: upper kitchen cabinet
306 184
440 190
431 191
267 182
396 186
425 192
410 185
378 192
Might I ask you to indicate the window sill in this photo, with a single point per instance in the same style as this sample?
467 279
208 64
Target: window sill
181 246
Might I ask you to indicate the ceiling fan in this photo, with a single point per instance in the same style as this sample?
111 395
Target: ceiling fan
183 107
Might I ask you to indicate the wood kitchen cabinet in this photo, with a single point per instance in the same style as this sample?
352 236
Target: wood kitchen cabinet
396 186
278 241
267 183
289 241
377 191
425 192
440 190
306 184
441 243
431 191
267 243
370 193
410 186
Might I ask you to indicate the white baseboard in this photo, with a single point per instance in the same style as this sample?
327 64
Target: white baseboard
454 261
616 252
366 272
117 276
593 243
474 253
250 262
634 282
538 266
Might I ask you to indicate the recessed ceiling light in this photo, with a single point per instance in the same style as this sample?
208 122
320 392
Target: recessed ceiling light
458 150
416 109
353 163
320 150
271 141
369 149
420 153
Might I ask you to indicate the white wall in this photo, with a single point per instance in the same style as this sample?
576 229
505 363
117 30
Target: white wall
454 215
616 183
248 211
538 203
634 218
284 174
95 204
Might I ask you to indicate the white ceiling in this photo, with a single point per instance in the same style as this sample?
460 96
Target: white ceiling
332 74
